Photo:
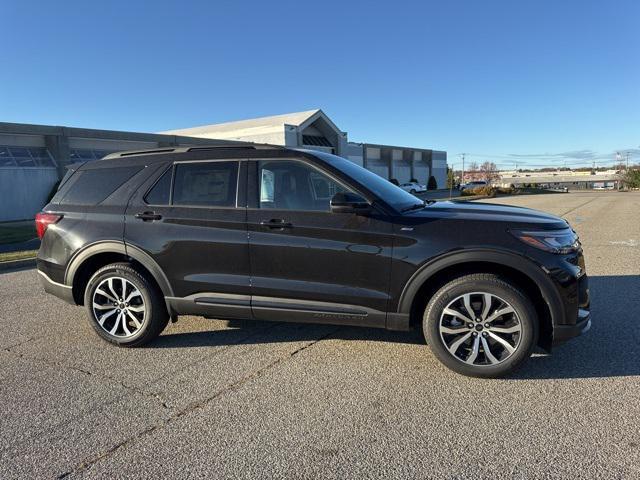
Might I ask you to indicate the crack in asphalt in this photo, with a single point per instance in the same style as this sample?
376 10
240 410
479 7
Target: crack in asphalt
64 366
88 462
150 394
15 345
579 206
260 330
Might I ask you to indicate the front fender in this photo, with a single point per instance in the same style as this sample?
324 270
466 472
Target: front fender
511 260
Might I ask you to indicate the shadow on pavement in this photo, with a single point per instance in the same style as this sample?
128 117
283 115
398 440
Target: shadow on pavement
611 348
257 332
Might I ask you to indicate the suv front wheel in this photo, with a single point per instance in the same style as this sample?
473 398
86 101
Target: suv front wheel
481 325
125 307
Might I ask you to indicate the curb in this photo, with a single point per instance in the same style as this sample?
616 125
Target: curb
21 264
33 244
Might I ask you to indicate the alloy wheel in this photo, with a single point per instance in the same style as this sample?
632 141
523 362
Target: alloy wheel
480 329
118 307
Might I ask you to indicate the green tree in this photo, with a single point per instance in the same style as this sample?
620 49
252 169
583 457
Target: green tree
632 178
451 180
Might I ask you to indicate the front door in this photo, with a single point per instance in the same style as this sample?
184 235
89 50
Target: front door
193 225
307 263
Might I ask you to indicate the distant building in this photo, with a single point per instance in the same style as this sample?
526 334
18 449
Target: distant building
34 157
575 180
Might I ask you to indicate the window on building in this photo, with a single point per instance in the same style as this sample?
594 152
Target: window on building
316 141
87 155
11 156
294 185
211 184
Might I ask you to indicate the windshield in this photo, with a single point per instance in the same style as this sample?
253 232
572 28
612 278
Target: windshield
393 195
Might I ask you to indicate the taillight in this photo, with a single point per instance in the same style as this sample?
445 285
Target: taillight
43 220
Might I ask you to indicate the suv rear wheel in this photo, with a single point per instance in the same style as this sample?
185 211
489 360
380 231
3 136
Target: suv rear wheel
124 306
481 325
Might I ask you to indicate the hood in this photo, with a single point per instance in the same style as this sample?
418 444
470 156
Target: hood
520 216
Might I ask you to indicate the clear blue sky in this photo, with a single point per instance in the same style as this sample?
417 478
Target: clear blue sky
533 81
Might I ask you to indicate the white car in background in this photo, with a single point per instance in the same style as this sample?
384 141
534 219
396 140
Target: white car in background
413 187
472 185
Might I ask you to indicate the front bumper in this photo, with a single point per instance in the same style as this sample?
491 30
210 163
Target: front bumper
562 333
64 292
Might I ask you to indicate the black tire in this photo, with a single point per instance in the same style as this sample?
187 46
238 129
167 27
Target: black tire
413 191
497 286
155 316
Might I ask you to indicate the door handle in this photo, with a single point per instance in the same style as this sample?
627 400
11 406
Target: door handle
148 216
276 223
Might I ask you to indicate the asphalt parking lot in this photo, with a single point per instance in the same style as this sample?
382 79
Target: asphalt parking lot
224 399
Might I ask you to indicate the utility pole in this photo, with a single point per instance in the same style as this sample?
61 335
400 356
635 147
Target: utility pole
462 177
451 181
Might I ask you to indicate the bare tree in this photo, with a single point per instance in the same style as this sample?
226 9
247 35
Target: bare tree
472 172
489 171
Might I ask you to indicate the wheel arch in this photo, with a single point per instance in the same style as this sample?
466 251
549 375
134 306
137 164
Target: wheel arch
523 272
97 255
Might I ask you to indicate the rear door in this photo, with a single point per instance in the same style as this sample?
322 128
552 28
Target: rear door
307 263
191 219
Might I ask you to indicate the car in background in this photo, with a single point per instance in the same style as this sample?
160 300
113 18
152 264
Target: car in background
603 186
472 185
413 187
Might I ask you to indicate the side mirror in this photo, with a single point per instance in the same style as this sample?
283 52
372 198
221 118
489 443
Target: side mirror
347 202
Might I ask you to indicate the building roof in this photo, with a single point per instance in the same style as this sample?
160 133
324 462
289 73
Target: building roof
254 125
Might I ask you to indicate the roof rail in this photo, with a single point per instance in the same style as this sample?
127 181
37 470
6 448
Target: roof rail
251 146
184 149
143 152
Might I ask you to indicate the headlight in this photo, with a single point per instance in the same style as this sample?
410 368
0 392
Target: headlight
555 241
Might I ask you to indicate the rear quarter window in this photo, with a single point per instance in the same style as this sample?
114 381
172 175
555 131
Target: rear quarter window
93 186
160 192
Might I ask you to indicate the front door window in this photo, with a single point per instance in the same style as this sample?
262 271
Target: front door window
294 185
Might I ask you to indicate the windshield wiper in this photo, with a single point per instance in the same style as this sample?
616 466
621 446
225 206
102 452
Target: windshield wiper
417 206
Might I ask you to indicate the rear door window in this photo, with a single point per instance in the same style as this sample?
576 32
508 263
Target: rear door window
206 184
93 186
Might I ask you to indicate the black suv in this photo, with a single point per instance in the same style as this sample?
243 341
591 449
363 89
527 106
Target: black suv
270 233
